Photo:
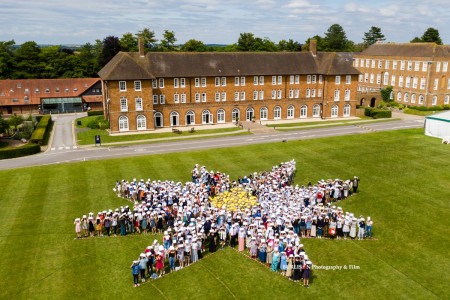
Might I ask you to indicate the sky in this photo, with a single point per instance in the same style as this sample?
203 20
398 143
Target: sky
217 21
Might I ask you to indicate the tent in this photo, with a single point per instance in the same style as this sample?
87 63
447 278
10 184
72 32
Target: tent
438 125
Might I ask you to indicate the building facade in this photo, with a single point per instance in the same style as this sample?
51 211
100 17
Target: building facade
154 90
418 73
33 96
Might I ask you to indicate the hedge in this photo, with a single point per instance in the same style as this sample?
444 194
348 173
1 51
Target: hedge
95 113
40 134
377 113
28 149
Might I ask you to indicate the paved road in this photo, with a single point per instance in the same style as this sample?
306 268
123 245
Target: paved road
63 137
86 154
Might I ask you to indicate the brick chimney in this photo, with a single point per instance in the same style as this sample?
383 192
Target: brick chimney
313 46
141 47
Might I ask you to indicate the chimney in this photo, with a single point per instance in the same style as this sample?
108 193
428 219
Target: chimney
141 47
313 46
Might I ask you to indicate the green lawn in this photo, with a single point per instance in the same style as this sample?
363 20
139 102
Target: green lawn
404 188
419 112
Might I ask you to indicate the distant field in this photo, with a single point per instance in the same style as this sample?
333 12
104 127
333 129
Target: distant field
404 188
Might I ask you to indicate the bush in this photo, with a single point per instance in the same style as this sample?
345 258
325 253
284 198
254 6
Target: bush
28 149
98 123
40 134
446 107
377 113
95 113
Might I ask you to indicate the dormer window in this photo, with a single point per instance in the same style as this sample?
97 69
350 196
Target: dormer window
37 91
47 90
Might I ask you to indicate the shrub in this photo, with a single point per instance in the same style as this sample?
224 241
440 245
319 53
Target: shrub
377 113
28 149
446 107
95 113
422 108
40 134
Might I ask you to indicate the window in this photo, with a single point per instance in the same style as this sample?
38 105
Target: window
413 98
308 93
303 111
371 78
393 80
436 84
139 105
361 78
444 66
236 96
203 81
394 65
409 65
447 99
141 122
438 66
122 86
347 95
434 100
291 79
416 65
422 83
380 64
37 91
155 99
123 123
176 83
313 93
400 81
421 99
217 96
279 94
161 83
362 62
203 97
47 90
408 82
217 81
207 117
255 95
290 112
356 62
263 113
137 86
236 81
366 77
320 79
424 66
274 80
176 98
348 79
235 114
162 99
336 95
308 79
406 97
399 96
386 78
274 94
291 93
316 111
296 93
334 111
280 80
313 79
242 95
255 80
197 82
183 98
123 104
224 96
261 80
174 119
347 110
221 116
261 95
277 113
297 79
386 65
319 93
448 84
378 78
242 80
224 81
190 118
415 80
373 63
402 65
183 82
154 84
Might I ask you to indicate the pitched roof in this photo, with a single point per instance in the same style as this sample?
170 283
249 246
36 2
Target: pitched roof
408 50
30 91
130 65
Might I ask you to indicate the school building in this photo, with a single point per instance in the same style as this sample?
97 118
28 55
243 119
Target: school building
145 91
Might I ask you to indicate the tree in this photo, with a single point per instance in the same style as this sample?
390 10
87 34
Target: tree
111 46
431 35
28 61
129 42
336 39
289 45
6 59
194 46
88 62
148 38
4 125
15 120
373 35
386 93
168 41
248 42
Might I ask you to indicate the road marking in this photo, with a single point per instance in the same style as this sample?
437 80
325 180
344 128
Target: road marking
52 149
60 148
67 148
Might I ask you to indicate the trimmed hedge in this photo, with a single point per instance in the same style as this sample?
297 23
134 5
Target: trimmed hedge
40 134
28 149
377 113
95 113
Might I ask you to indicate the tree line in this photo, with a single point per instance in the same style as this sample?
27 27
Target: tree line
29 60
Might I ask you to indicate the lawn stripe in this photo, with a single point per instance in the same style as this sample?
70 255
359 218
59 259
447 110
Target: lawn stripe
217 278
162 294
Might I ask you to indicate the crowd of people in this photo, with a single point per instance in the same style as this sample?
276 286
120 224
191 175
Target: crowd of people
271 230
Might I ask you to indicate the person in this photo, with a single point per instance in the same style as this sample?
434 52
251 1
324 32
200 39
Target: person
187 253
99 227
353 223
283 263
361 227
290 266
180 255
84 225
78 227
172 255
369 225
194 250
275 260
297 268
143 265
262 251
212 242
306 273
355 184
135 272
269 252
159 264
253 247
91 227
107 224
241 239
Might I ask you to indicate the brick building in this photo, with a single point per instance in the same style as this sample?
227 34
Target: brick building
153 90
418 73
29 96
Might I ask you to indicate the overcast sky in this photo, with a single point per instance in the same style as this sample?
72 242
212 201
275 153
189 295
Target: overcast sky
217 21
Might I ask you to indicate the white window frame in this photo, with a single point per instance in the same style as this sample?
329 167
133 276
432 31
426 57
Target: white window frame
203 81
338 79
291 79
436 84
261 95
280 80
337 95
438 66
421 99
242 80
197 81
137 85
290 112
123 104
154 83
296 93
162 99
161 83
308 79
139 104
124 125
236 96
297 79
277 113
236 81
223 81
183 98
155 99
217 96
203 97
255 80
303 111
242 96
141 122
122 86
347 110
217 81
263 113
255 95
274 80
347 95
348 79
221 116
176 83
316 111
335 111
261 80
176 98
182 82
223 96
279 94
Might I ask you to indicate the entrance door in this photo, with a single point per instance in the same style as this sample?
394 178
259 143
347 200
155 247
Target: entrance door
249 114
372 102
158 120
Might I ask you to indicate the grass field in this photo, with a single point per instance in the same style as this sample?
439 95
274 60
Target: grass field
404 188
